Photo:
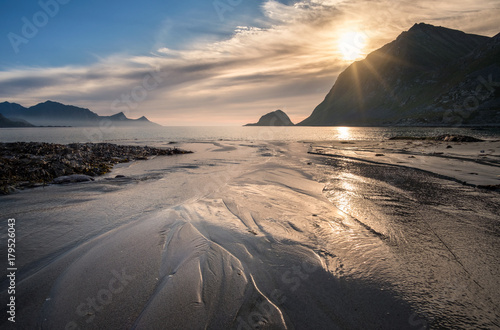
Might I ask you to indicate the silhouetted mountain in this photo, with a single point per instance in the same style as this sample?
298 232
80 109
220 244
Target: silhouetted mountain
6 107
5 122
119 116
275 118
57 114
412 80
142 119
472 88
122 120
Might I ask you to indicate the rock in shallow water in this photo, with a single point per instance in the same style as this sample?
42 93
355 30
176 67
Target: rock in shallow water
72 179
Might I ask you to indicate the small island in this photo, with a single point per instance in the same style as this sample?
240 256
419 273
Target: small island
275 118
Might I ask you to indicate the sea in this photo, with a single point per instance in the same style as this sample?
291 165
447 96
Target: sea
165 135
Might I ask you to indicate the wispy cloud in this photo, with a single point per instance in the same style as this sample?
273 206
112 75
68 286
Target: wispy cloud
289 61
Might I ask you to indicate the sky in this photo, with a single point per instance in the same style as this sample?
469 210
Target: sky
204 62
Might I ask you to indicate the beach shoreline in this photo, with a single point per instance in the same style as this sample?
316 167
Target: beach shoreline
263 234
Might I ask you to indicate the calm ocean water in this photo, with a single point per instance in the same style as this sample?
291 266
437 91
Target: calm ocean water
161 135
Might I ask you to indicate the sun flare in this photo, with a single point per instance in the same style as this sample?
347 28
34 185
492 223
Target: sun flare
351 45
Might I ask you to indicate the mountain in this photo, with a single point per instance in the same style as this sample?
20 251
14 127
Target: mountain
52 113
275 118
5 122
417 79
472 94
122 120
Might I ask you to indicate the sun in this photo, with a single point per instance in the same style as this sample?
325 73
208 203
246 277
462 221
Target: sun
351 45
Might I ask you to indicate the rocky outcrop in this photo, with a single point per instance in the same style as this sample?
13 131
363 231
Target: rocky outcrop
275 118
32 164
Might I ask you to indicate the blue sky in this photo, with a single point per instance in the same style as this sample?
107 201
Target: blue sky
189 63
81 30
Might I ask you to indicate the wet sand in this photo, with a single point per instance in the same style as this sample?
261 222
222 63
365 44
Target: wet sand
265 236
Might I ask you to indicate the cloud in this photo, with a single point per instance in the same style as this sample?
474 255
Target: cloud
289 60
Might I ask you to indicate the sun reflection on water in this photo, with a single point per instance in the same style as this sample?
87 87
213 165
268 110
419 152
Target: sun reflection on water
344 199
344 133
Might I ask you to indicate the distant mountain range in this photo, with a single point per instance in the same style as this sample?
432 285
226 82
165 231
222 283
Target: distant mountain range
57 114
275 118
428 76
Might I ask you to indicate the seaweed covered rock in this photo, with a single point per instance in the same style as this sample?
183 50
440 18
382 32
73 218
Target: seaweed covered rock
31 164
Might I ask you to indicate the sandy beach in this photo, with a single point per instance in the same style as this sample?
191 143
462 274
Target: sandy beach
266 235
